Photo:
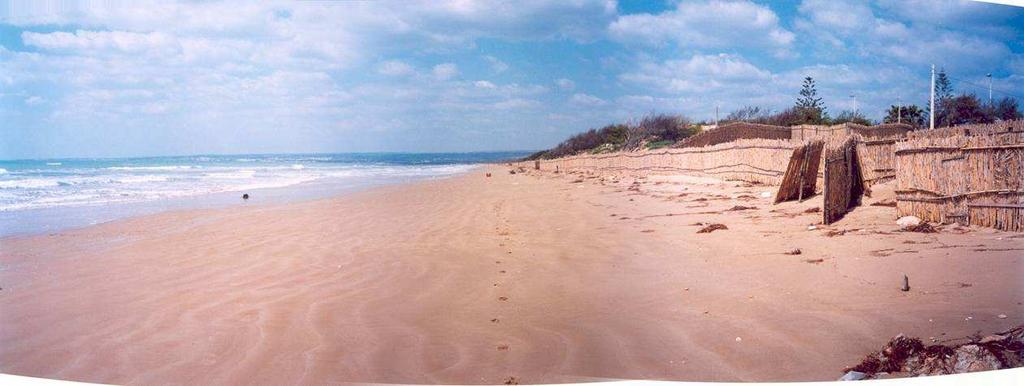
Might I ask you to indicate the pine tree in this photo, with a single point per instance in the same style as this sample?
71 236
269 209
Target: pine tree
943 99
809 105
943 88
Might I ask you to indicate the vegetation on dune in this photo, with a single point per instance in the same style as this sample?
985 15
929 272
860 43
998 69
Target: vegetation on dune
652 131
661 130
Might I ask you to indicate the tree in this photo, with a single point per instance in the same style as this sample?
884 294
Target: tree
746 114
965 109
787 117
852 117
1005 109
809 106
907 114
943 95
943 88
657 128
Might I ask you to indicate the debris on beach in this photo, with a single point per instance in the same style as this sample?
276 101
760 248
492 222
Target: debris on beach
814 261
766 194
511 381
511 172
907 221
834 233
920 228
712 227
740 207
488 175
578 180
887 202
795 251
908 356
816 209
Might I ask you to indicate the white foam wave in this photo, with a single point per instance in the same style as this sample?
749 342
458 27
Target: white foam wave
155 168
54 163
29 183
236 175
139 179
3 171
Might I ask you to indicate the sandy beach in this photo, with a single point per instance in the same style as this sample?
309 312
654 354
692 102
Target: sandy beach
534 278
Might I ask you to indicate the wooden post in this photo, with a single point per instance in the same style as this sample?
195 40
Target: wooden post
906 284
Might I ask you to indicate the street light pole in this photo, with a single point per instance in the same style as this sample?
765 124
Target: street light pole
989 75
931 113
899 109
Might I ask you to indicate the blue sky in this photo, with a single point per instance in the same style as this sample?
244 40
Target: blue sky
160 78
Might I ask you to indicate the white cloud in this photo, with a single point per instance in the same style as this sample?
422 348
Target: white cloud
707 24
699 73
853 28
484 84
34 100
98 41
581 99
565 84
496 65
445 71
395 68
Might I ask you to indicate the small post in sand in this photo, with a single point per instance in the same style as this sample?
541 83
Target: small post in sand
906 284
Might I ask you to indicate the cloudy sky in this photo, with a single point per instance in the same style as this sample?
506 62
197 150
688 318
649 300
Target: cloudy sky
139 78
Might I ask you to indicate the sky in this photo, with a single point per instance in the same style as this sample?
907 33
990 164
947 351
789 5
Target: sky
139 78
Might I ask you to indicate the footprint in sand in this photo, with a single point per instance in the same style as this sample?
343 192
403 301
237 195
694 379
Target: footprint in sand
503 298
503 347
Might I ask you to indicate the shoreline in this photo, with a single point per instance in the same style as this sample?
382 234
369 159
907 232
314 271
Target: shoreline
84 215
469 279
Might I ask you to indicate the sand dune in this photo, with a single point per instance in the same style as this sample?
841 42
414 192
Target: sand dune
476 280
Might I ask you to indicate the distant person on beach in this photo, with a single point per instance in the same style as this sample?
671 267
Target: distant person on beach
245 196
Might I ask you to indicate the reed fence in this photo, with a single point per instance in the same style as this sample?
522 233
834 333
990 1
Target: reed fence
733 131
887 130
877 159
999 128
969 175
801 178
844 183
753 160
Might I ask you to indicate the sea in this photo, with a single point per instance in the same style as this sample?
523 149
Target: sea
50 195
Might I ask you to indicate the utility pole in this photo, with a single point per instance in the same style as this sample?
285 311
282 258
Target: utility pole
899 109
931 113
854 96
716 116
989 75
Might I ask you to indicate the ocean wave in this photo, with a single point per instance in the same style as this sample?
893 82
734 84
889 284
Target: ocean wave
29 183
54 163
235 175
88 185
155 168
3 171
138 179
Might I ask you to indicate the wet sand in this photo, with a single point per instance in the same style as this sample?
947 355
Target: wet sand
530 277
